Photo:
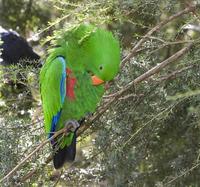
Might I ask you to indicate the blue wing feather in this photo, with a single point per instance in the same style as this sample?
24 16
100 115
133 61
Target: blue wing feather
62 82
56 117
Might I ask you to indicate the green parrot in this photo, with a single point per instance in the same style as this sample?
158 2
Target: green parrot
72 82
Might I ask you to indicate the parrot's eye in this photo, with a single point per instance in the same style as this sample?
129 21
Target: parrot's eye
101 67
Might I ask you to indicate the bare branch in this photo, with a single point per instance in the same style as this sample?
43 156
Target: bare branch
184 173
163 64
174 73
154 29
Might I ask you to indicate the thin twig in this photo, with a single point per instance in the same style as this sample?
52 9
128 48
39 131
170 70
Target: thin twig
174 73
59 177
32 172
154 29
145 125
163 64
186 172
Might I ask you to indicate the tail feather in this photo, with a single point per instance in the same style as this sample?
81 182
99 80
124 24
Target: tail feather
68 154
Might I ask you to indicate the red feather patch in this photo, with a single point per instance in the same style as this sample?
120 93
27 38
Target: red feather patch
70 83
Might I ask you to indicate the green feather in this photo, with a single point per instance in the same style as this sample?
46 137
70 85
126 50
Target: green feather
50 77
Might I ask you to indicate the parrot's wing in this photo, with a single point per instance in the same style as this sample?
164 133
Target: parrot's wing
53 91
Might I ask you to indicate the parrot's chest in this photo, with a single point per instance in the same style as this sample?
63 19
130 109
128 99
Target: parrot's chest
70 85
81 99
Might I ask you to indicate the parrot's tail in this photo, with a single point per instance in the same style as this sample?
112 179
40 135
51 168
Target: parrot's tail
65 154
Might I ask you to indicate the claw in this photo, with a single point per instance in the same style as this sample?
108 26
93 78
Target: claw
72 124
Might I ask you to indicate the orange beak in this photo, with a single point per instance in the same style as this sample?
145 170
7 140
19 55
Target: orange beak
96 80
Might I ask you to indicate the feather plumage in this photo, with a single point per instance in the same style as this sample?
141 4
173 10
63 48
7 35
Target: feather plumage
87 50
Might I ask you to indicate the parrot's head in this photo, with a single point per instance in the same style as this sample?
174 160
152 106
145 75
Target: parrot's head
101 55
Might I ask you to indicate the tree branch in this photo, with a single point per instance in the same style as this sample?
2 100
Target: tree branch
174 73
163 64
181 175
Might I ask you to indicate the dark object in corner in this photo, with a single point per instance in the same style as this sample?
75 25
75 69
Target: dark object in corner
15 48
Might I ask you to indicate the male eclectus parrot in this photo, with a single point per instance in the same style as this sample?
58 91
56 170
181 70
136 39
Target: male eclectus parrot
72 82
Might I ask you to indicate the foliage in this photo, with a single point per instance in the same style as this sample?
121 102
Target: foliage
24 15
150 136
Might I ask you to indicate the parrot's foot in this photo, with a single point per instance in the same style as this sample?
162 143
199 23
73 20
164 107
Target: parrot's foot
72 125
